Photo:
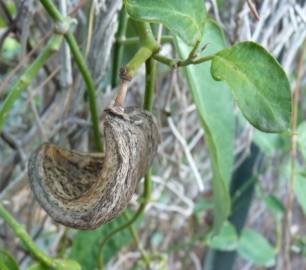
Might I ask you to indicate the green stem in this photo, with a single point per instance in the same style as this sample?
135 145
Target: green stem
91 90
30 73
133 66
135 235
294 157
150 84
52 10
146 197
149 46
165 60
142 55
79 59
118 47
181 63
278 241
146 36
192 58
131 228
135 40
26 239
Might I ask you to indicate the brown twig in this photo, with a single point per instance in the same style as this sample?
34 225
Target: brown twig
294 137
14 144
78 7
253 9
123 87
119 101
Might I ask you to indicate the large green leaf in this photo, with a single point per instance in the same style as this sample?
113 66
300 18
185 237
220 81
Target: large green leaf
214 104
259 84
184 18
255 248
3 266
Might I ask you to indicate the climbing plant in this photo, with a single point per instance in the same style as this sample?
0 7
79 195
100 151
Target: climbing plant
219 75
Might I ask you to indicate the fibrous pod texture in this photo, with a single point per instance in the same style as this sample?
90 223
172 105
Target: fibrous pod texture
84 190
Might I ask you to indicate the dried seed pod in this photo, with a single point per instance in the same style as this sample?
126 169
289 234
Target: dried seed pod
83 190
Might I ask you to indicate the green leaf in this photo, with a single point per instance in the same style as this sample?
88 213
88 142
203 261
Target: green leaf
184 18
300 191
255 248
8 260
259 85
275 205
86 243
215 107
268 142
38 266
3 266
226 240
62 264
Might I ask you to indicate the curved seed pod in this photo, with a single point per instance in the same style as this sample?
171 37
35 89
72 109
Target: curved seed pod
82 190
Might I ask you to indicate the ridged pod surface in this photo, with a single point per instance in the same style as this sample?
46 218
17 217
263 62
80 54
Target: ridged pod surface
84 190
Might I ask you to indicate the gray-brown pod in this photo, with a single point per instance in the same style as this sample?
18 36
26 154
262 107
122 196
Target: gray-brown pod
83 190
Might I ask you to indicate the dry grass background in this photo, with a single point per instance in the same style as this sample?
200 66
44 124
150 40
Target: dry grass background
54 109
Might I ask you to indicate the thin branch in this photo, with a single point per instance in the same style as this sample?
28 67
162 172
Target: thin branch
79 59
135 40
27 77
118 46
294 137
146 197
92 17
148 105
26 239
253 9
22 63
173 63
